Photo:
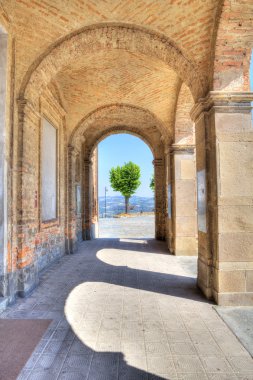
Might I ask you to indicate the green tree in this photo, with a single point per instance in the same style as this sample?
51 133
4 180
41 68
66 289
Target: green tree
126 180
152 183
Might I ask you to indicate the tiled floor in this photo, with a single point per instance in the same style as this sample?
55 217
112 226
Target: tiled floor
125 309
135 227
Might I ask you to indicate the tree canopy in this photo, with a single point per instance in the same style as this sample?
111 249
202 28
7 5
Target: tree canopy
152 183
126 180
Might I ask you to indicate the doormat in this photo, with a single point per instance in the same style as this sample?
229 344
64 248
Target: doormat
18 339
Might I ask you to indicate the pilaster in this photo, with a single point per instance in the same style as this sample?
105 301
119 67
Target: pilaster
160 198
184 200
224 146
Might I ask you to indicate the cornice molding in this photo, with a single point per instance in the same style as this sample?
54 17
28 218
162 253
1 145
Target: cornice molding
223 102
181 149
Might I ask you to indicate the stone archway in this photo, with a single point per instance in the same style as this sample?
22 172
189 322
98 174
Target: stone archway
96 127
110 36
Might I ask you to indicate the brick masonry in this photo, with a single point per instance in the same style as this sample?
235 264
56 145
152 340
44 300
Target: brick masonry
103 69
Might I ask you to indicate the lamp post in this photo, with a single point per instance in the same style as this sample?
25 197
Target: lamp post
105 199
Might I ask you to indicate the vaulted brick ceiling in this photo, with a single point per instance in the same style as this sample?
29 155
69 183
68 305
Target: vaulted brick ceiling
107 77
118 77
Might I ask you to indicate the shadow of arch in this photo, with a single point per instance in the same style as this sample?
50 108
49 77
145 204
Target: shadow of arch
116 36
106 361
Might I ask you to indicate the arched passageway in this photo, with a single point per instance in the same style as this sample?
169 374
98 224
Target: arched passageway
177 89
114 119
117 150
176 74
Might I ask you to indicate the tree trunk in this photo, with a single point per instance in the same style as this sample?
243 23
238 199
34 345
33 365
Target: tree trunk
126 204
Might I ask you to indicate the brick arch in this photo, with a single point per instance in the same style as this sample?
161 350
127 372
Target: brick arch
101 37
234 42
5 22
102 135
119 115
112 119
184 133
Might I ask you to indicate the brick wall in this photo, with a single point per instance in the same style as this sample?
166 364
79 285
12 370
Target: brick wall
233 46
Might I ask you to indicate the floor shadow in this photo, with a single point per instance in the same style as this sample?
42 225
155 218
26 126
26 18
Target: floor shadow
73 358
149 280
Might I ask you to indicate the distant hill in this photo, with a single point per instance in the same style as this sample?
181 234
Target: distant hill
116 205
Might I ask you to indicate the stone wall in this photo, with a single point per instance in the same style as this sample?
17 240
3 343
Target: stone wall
224 141
184 201
3 157
39 243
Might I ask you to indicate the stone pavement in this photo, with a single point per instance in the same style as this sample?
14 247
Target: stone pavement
135 227
240 321
126 309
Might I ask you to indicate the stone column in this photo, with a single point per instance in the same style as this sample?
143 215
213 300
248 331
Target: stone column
169 221
160 199
26 271
87 172
94 195
71 238
184 200
224 143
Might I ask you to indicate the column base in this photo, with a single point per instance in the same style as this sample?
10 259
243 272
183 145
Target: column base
8 285
233 299
28 279
204 281
207 291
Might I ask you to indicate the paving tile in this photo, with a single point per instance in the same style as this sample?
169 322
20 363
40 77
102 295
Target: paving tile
161 364
111 346
177 336
208 349
182 348
241 363
24 374
135 361
201 337
188 364
216 364
77 362
245 376
133 348
31 361
174 325
192 376
130 319
104 366
51 362
162 376
79 348
130 373
222 376
45 374
72 375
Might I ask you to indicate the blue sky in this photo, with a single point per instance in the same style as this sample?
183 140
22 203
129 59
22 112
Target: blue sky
118 149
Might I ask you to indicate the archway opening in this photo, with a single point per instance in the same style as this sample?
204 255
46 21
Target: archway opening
114 221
